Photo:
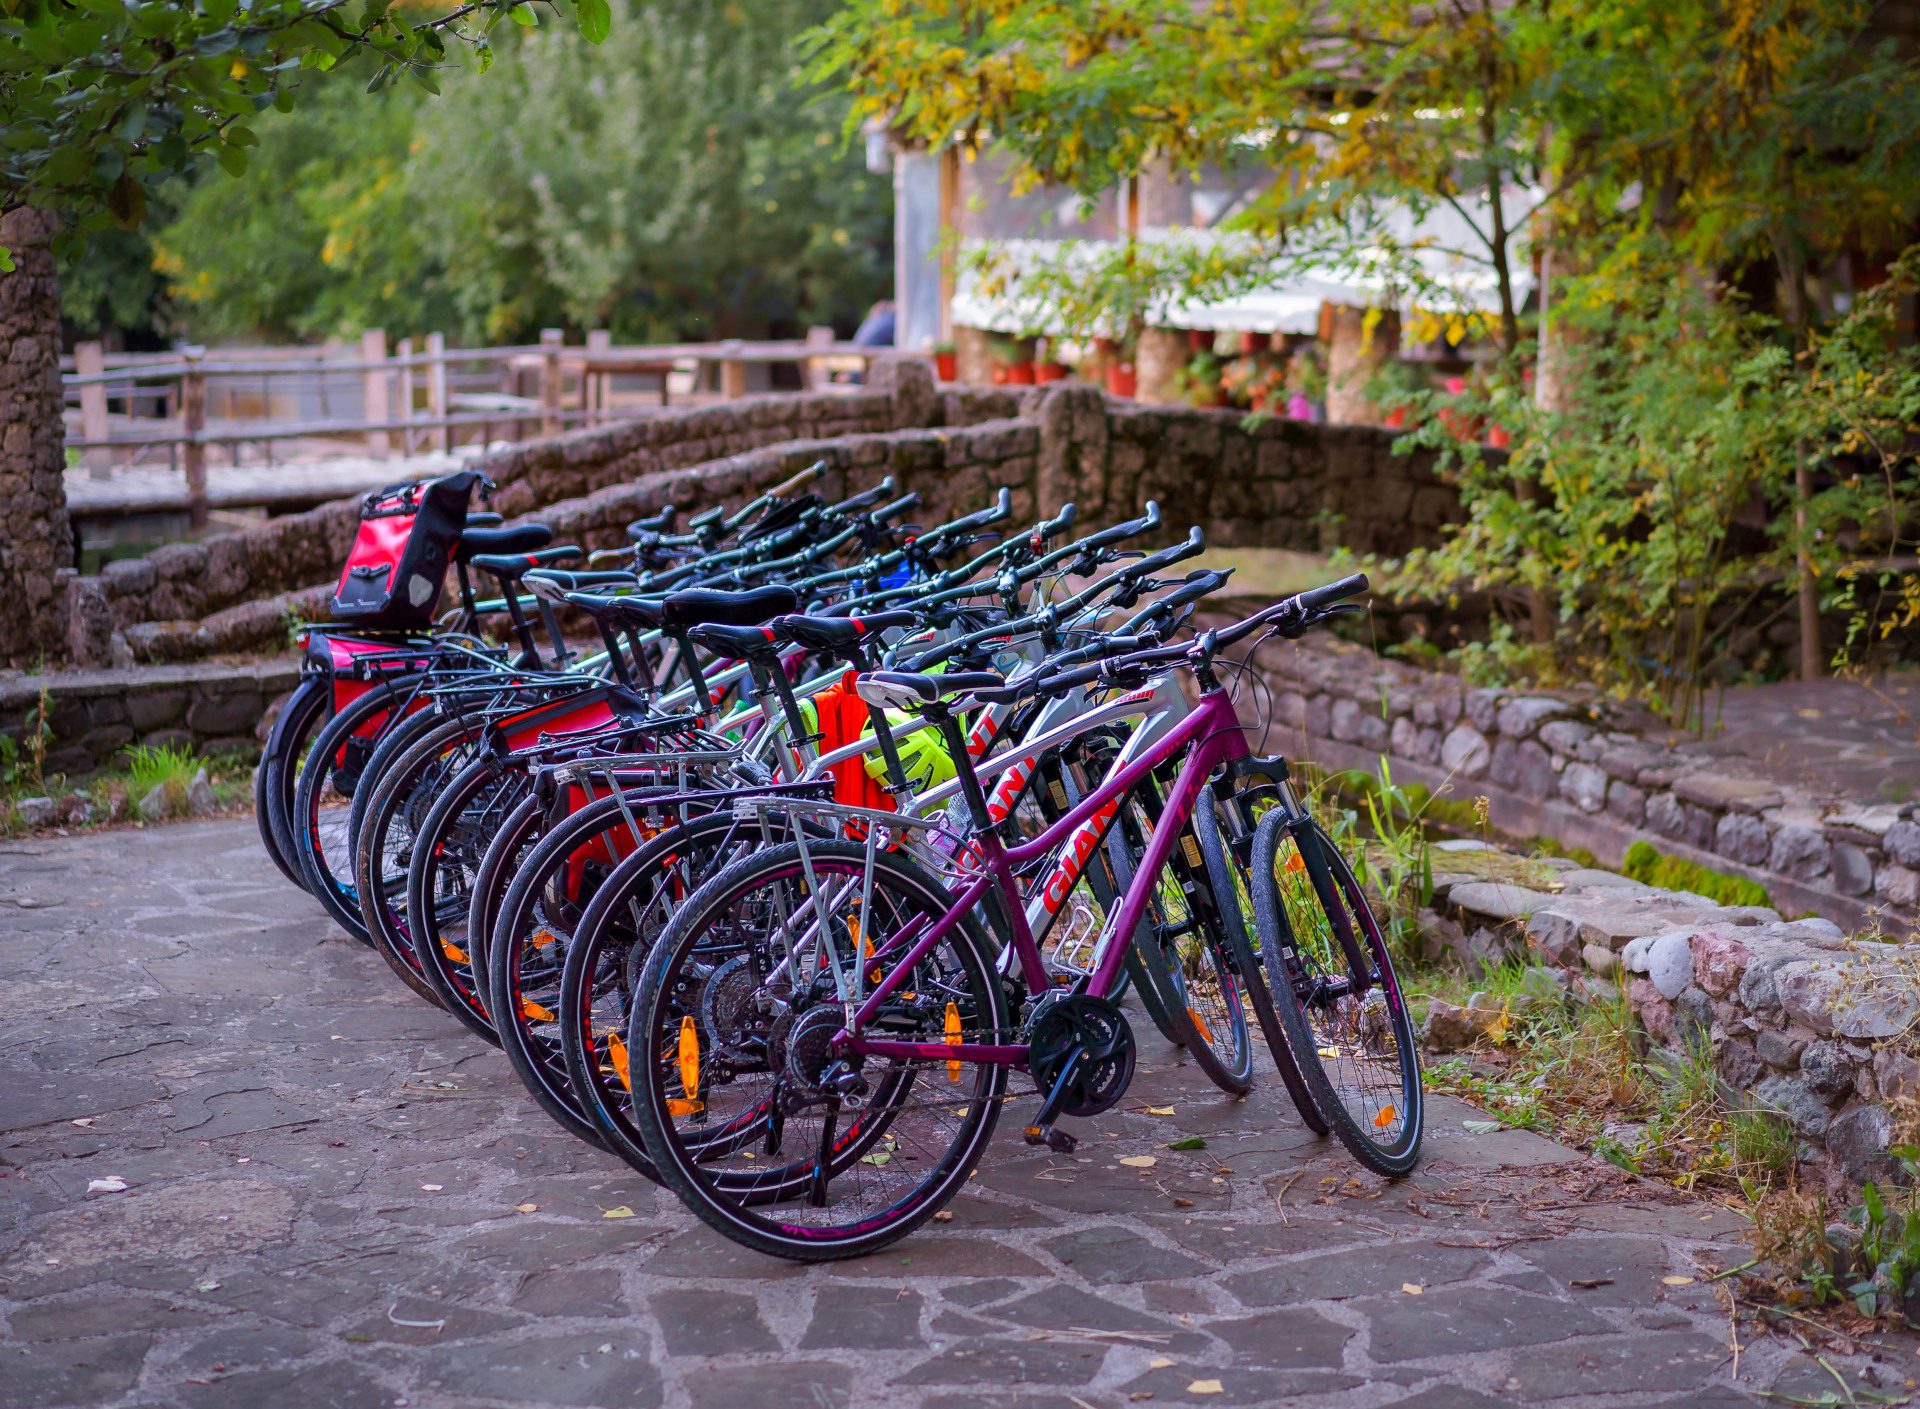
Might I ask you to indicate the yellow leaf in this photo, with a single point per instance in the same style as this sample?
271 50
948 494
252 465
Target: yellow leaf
1159 1362
617 1211
1159 1110
1678 1281
1205 1387
1138 1161
526 1208
1412 1288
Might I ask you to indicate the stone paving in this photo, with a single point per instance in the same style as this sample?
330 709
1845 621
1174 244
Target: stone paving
337 1197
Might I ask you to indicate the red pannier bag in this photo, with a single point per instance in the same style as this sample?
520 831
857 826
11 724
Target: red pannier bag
398 566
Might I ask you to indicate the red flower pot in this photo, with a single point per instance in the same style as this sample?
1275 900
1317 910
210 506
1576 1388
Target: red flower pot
946 366
1051 371
1002 374
1021 375
1499 438
1122 380
1199 340
1255 342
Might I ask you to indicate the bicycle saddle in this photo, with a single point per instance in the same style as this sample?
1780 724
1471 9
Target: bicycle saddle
514 566
836 633
523 538
901 689
557 584
701 606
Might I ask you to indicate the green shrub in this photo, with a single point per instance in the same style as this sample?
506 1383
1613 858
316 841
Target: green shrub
1645 863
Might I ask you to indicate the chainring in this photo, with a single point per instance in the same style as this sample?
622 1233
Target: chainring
1064 1022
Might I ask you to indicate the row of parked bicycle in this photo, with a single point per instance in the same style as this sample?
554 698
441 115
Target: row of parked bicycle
847 830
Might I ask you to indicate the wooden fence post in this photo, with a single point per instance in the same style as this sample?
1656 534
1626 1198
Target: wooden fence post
812 375
373 348
89 360
404 349
437 389
733 373
596 387
193 424
552 340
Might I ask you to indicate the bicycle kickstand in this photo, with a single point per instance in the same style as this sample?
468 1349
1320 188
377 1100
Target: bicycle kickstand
1043 1131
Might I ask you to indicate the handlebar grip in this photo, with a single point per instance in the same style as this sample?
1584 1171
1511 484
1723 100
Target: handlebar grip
1120 532
867 498
800 481
1058 524
898 507
1315 598
1195 543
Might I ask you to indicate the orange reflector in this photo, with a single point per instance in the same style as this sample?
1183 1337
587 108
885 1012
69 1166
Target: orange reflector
1295 861
953 1039
689 1057
1206 1034
678 1106
534 1012
453 951
617 1054
1385 1118
542 938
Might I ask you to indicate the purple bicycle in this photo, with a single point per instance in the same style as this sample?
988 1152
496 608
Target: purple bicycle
830 1024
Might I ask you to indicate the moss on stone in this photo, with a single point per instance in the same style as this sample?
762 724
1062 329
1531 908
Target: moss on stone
1644 862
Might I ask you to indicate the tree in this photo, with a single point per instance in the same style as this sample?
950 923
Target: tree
673 182
1690 141
102 99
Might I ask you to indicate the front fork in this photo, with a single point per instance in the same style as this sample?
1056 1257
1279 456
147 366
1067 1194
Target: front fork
1269 778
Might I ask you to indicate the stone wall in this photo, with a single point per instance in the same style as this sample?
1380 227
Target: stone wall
93 716
1583 769
1278 483
1811 1025
35 535
198 582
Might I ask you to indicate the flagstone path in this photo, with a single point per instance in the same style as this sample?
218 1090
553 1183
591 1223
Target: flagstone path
328 1187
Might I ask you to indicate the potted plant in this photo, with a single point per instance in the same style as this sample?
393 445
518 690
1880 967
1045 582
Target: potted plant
1250 379
1012 360
1050 368
946 361
1395 389
1199 383
1200 339
1122 377
1306 385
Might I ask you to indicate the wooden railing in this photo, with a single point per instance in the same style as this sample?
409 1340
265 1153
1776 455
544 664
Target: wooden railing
572 385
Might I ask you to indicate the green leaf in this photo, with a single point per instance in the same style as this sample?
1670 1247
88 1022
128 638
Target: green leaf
596 20
233 160
423 76
380 78
1188 1142
6 260
524 16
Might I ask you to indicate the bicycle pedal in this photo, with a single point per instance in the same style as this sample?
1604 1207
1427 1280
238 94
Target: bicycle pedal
1052 1137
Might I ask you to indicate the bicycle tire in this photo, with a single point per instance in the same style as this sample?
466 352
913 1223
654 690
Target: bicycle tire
1331 1039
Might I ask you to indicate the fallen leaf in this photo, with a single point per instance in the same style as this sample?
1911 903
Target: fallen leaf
945 1215
1678 1281
1808 713
1159 1362
206 1284
112 1184
1190 1142
433 1188
1412 1288
617 1211
1204 1387
83 1122
1481 1127
526 1208
1182 1203
1151 1110
1138 1161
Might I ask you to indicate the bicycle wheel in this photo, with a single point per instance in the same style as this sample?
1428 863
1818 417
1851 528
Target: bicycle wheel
1184 957
301 719
322 805
446 858
626 916
853 1153
1225 831
1338 999
388 836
